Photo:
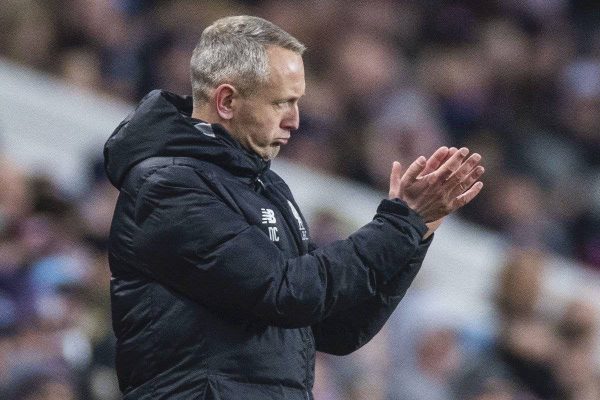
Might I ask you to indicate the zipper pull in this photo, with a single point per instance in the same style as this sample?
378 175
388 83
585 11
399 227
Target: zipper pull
259 184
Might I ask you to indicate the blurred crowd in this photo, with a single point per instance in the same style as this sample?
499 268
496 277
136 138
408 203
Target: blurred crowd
515 80
56 341
428 352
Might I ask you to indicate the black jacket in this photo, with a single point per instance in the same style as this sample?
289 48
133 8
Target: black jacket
216 291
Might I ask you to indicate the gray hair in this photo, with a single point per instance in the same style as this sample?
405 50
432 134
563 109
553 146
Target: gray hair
234 50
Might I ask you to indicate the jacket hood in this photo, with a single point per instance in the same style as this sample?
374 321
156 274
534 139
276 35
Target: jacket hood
162 126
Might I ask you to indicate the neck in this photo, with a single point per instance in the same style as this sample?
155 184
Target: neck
203 112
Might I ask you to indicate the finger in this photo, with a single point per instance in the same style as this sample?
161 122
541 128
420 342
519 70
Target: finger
468 181
413 171
450 153
467 196
436 159
463 171
395 180
452 164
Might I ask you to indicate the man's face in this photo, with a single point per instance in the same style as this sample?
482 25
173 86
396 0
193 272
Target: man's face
264 120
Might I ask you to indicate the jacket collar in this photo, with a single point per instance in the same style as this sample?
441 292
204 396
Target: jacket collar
162 126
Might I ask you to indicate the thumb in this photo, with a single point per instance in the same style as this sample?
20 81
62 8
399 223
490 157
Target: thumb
395 180
414 170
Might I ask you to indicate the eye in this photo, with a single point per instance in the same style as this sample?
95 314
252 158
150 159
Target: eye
280 103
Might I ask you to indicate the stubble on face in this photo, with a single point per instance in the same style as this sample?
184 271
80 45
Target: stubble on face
251 128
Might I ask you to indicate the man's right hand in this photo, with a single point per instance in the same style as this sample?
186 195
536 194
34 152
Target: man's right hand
440 185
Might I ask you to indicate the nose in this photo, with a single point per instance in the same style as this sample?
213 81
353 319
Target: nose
291 121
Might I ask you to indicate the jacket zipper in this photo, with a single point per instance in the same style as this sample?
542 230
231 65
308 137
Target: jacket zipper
309 346
261 184
309 341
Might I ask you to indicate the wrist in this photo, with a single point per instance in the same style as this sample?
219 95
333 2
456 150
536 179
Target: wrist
399 209
431 227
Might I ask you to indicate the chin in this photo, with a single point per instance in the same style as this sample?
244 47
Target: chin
271 153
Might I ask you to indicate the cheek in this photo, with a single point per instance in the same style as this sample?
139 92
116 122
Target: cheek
252 124
261 124
268 127
260 134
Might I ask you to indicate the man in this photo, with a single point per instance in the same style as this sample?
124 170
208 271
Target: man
216 290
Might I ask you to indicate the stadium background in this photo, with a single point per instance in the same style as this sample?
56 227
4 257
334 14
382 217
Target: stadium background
507 303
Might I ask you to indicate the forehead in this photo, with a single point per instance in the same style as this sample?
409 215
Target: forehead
286 69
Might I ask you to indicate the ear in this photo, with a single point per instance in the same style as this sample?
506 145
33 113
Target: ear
225 96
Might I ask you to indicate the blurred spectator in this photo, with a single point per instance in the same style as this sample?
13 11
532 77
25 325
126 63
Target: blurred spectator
327 227
405 129
575 363
16 202
426 348
54 325
520 358
81 68
522 211
44 387
29 32
365 373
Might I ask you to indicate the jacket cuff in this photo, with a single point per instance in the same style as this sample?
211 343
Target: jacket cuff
398 208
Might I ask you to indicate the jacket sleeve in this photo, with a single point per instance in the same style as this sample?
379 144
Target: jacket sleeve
192 241
348 330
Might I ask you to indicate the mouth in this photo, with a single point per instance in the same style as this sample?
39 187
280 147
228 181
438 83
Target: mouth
280 141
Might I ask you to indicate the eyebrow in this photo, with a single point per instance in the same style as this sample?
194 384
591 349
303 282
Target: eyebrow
287 99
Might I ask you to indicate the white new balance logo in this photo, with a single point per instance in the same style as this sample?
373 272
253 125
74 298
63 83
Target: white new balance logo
268 216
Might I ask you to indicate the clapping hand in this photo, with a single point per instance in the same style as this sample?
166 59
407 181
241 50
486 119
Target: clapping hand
438 186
